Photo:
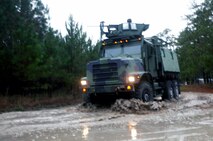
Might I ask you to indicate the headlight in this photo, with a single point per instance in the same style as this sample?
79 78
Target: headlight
131 79
83 82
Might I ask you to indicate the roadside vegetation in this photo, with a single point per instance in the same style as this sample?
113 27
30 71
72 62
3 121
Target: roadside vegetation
37 101
41 68
195 45
208 88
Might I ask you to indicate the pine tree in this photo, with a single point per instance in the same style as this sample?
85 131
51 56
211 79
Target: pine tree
23 25
196 42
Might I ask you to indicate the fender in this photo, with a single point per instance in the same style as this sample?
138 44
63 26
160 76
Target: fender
142 76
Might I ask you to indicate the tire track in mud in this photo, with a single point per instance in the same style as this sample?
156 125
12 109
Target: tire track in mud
136 106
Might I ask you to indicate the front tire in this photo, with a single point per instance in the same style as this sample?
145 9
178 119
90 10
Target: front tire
89 98
86 98
145 92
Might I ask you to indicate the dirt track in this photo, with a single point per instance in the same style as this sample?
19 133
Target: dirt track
189 119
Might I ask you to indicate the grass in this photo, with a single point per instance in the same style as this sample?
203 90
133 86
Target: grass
207 88
22 103
61 98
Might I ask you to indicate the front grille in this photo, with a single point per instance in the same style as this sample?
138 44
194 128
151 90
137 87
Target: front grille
105 72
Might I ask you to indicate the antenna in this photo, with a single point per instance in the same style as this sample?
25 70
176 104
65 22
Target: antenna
101 29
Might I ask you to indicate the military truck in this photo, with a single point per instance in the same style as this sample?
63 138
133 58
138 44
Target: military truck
131 66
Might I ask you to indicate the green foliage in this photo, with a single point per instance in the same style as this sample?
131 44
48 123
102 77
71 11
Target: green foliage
20 41
35 57
167 37
80 50
196 43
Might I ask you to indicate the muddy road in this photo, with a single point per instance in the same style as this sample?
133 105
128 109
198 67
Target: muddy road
189 119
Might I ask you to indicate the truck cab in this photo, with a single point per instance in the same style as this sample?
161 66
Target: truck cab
131 66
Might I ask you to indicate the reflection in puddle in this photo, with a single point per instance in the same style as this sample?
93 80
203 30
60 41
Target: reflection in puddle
132 129
85 132
133 133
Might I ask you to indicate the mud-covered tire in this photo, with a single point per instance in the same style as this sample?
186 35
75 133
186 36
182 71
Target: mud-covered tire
86 98
175 88
145 92
168 94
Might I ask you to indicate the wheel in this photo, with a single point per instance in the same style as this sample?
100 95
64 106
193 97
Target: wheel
175 89
86 98
89 98
145 92
168 94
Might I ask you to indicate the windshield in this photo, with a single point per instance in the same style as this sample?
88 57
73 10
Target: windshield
133 51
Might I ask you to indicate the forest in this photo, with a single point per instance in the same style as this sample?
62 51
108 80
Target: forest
195 44
35 58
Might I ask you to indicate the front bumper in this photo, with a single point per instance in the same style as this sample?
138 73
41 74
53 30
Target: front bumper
110 89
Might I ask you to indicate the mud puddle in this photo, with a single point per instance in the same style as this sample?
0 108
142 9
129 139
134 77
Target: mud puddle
136 106
190 118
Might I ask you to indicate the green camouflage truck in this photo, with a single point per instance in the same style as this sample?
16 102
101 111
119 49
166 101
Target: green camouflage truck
131 66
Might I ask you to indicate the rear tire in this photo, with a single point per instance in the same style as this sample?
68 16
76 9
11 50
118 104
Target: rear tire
145 92
175 89
168 94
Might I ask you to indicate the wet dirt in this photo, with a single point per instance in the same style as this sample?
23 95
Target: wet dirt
188 119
